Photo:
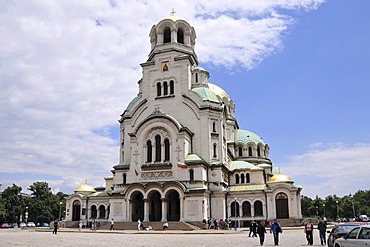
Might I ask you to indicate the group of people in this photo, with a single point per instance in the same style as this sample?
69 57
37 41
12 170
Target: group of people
222 224
321 226
260 229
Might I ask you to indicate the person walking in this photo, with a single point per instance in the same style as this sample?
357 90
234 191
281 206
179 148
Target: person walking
322 231
254 229
276 229
80 225
139 224
308 229
250 228
261 230
111 225
93 225
56 223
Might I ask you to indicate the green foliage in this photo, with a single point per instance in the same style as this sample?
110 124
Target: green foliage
334 207
42 205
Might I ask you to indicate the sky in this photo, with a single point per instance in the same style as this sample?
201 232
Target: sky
297 70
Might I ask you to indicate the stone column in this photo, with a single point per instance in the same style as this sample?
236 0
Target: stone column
164 209
182 208
146 210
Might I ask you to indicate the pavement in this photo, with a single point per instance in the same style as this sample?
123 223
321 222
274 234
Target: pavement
36 237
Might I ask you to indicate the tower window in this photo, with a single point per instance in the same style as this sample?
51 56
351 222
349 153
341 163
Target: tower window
167 35
172 89
242 181
124 178
196 77
250 151
191 175
214 127
214 150
166 150
180 36
240 151
258 152
237 179
248 178
158 148
165 88
159 89
148 151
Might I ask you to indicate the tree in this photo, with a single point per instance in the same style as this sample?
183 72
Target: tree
13 203
42 203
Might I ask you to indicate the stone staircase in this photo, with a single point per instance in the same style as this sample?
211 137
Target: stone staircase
290 222
172 225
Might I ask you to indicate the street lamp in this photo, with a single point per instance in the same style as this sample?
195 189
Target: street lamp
353 207
317 211
236 226
324 210
26 214
60 209
337 210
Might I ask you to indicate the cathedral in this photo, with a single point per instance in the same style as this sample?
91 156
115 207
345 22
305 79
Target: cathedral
183 156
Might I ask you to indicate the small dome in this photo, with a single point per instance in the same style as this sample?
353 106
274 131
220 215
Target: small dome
85 188
245 136
218 91
280 178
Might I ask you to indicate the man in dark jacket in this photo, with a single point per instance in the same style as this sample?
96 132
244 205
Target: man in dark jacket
275 229
322 231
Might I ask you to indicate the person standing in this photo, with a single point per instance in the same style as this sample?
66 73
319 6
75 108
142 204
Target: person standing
276 229
93 225
254 229
261 230
308 229
139 224
80 225
55 231
112 225
322 231
250 228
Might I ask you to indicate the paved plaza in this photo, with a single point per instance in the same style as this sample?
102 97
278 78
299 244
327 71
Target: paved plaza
72 237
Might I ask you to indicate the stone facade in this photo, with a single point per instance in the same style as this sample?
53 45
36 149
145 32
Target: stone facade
182 154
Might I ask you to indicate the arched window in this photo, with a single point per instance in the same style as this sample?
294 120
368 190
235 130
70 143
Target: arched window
240 151
124 178
158 149
149 151
258 210
167 35
165 88
191 175
250 153
258 151
248 178
237 179
196 77
166 150
172 87
159 93
234 209
94 212
242 181
214 127
214 150
180 36
246 208
101 212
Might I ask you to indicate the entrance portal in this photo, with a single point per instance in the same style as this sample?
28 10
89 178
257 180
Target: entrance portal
173 206
76 211
282 210
137 206
155 206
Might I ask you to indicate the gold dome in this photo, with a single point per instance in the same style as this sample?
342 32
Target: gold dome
85 188
218 91
280 178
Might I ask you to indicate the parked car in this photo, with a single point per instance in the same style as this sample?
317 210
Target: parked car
340 230
22 225
358 236
5 225
44 225
31 224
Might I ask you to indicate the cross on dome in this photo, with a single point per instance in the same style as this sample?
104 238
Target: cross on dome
172 13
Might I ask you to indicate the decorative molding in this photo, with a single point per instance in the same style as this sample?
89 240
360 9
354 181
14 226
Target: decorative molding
155 175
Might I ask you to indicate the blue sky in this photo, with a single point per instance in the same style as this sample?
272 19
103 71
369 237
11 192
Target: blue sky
297 71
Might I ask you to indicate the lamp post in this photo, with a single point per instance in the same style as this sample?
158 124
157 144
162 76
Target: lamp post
26 214
324 210
317 211
337 210
60 209
236 226
353 207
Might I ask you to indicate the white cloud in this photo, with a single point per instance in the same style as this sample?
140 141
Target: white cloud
328 169
69 69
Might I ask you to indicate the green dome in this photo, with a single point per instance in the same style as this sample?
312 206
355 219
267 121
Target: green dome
206 94
242 165
245 136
